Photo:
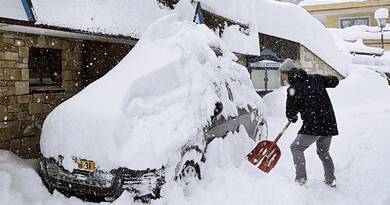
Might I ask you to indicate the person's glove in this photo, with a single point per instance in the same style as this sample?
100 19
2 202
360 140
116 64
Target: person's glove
294 119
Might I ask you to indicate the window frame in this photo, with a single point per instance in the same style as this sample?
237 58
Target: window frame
352 19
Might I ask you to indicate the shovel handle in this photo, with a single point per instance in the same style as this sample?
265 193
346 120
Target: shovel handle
282 132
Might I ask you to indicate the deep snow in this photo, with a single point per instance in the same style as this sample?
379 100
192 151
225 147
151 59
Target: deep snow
360 152
131 18
151 108
357 32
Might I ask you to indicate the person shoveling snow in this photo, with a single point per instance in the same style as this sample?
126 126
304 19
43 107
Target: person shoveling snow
307 95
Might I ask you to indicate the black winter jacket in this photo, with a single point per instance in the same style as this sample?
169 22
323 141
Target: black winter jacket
307 95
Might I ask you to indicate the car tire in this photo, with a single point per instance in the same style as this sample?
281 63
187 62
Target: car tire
190 173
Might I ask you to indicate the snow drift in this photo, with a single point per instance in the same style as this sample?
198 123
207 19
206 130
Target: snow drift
156 99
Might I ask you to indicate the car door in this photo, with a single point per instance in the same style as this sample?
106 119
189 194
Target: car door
220 125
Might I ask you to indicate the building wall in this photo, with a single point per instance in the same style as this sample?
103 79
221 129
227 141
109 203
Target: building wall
100 57
377 43
312 64
333 21
22 111
330 14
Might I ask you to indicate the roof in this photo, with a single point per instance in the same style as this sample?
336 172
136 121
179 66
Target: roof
283 20
129 19
12 9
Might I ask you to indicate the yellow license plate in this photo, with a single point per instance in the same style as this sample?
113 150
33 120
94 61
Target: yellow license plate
85 165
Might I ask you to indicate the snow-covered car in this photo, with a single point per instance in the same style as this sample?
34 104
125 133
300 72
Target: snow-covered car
151 118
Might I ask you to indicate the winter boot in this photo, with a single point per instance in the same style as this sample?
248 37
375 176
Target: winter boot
330 183
300 181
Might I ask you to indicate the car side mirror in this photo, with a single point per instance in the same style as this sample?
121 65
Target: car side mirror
218 109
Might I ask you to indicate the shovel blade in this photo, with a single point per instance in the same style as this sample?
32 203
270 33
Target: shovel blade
265 155
270 161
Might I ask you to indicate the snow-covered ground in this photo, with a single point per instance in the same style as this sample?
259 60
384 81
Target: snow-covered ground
360 152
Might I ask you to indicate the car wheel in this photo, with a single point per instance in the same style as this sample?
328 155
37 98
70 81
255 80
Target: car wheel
190 173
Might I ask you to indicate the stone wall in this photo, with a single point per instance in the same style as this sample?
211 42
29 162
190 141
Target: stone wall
312 64
22 111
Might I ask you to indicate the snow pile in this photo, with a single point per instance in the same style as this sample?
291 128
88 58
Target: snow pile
277 101
357 47
354 33
377 63
284 20
240 42
154 101
131 18
380 64
320 2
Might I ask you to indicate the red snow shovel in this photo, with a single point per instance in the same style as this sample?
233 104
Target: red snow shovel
266 154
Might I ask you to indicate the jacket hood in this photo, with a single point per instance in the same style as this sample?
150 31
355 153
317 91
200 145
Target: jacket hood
296 75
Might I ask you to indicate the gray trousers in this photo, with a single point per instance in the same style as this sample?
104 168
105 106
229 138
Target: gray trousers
301 143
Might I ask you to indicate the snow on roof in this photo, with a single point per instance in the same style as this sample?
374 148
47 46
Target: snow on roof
12 9
284 20
240 42
129 19
359 48
354 33
120 17
319 2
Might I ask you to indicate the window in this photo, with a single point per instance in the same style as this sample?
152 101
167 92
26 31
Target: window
44 68
354 21
265 75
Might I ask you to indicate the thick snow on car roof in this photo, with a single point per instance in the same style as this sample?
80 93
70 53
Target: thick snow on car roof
284 20
156 99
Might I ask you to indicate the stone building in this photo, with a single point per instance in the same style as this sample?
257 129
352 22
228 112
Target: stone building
44 62
37 73
40 67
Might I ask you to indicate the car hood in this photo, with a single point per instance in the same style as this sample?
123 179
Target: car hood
157 99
